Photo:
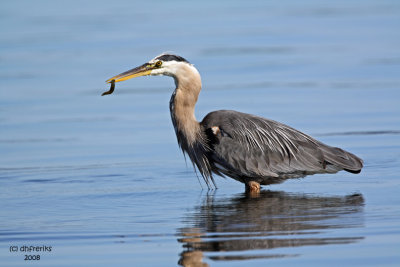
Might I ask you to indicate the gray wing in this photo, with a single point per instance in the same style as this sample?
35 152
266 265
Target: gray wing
245 146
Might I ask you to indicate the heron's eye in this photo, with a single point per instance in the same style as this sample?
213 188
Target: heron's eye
158 64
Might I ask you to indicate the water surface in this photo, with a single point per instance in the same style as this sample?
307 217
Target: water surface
101 179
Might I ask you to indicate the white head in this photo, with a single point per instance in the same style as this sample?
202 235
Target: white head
164 64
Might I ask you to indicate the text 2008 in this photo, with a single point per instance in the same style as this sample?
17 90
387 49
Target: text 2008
32 257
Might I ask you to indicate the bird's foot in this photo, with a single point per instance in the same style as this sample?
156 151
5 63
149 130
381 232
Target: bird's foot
253 188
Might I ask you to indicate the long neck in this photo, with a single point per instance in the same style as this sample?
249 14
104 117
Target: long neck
188 131
182 104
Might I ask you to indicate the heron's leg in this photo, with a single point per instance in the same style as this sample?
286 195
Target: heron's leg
252 187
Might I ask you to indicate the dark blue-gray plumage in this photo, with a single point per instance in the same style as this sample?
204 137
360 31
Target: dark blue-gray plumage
251 149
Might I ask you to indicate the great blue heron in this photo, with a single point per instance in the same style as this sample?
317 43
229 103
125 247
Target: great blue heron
250 149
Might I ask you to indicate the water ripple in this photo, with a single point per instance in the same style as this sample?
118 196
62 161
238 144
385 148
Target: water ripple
391 132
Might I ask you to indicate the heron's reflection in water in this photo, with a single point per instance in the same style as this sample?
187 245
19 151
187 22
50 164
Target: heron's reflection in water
234 227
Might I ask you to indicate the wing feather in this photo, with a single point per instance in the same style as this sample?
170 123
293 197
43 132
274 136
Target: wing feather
251 147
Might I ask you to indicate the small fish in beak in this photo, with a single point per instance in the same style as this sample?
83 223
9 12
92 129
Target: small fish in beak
112 87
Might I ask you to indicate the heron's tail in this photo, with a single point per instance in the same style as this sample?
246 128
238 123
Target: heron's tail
342 159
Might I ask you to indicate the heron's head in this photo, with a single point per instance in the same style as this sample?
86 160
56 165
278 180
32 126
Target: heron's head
164 64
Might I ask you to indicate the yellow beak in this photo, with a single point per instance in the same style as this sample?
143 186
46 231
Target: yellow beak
143 70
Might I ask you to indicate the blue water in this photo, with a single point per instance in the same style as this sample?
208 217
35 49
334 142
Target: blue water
101 179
